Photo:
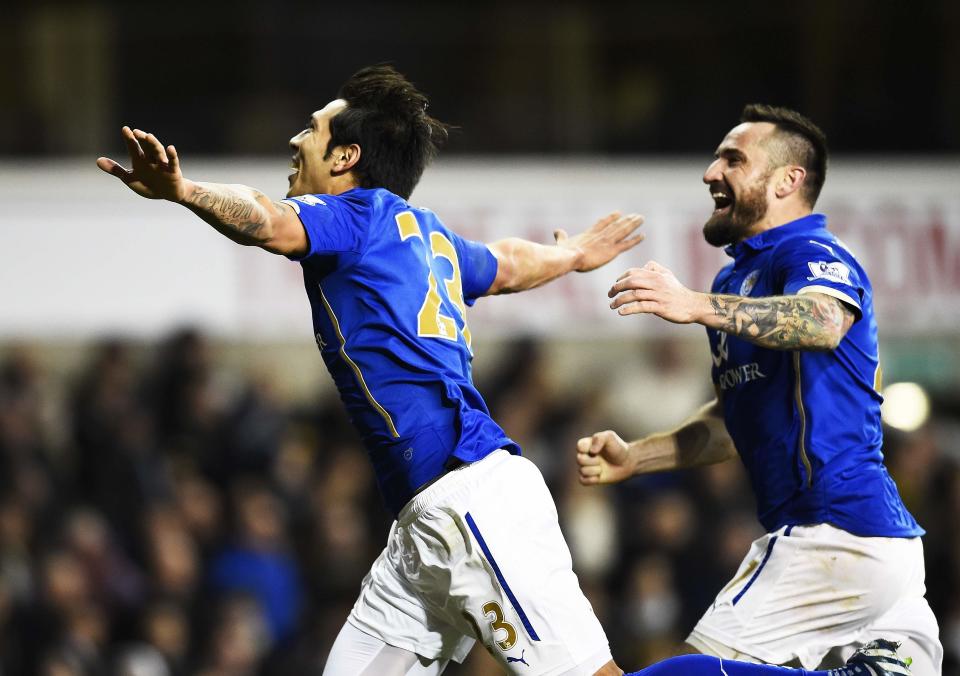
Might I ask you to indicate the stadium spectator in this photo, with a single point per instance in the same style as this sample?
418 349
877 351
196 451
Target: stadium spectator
335 537
257 560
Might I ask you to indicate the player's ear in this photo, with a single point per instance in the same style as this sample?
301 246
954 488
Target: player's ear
790 180
345 158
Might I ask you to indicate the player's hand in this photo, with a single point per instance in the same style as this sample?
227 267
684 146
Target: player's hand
653 289
603 241
603 458
154 170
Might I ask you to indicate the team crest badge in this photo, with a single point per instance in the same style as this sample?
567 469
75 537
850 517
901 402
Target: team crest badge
749 283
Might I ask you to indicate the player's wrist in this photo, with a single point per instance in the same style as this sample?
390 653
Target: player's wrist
184 191
573 256
579 263
633 458
701 308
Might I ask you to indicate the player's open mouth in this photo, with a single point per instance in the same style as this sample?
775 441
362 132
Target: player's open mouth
722 201
295 168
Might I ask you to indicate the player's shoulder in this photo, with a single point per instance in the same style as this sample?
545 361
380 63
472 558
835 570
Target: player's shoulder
367 199
823 254
427 218
298 202
377 203
820 242
356 198
386 209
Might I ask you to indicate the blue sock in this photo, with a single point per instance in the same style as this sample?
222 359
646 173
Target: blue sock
705 665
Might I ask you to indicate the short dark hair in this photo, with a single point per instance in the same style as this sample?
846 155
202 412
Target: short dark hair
803 143
387 117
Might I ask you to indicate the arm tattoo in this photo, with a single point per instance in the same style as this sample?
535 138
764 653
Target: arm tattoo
811 322
239 217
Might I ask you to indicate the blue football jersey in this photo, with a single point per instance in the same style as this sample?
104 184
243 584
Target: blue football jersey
388 285
807 424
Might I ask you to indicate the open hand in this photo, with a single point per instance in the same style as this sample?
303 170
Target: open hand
155 170
603 458
603 241
653 289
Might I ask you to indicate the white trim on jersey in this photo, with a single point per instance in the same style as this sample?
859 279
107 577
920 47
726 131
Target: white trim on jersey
830 291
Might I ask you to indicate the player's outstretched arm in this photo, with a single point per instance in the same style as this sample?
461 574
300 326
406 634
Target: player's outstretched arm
523 265
241 213
810 321
702 439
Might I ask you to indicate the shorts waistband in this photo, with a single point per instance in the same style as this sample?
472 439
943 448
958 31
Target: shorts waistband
449 483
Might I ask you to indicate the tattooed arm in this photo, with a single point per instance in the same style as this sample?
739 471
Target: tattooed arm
812 321
247 216
243 214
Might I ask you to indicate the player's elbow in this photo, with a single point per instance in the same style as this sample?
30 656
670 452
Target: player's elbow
507 280
834 340
826 340
284 234
834 333
834 319
283 244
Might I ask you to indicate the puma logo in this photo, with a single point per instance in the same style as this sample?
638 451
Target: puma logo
518 659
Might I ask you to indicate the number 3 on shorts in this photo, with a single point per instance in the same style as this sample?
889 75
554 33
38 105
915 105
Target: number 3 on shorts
493 609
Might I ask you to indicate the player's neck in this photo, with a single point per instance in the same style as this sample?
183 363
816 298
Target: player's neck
775 218
341 184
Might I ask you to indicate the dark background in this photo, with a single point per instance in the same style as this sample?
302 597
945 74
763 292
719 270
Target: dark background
518 77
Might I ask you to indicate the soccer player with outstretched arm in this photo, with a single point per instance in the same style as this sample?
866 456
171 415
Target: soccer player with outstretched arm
476 551
796 370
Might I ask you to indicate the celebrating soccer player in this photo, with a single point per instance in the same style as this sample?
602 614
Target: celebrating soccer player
795 366
476 551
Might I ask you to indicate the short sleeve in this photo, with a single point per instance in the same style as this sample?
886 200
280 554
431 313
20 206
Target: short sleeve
328 231
478 267
815 266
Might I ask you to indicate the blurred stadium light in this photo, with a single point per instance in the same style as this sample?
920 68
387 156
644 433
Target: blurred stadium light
906 406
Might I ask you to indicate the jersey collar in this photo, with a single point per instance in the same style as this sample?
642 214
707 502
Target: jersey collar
769 238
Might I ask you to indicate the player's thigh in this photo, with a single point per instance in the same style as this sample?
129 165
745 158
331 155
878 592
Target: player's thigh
801 592
402 598
518 590
356 653
911 621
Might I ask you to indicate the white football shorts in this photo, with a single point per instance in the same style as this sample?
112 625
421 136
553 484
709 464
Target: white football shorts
479 553
805 591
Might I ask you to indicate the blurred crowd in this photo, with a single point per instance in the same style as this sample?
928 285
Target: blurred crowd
162 515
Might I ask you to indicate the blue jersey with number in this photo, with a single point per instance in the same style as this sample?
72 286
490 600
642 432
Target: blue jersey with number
388 284
807 424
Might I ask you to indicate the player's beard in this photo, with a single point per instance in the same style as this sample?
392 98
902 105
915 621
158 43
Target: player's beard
734 225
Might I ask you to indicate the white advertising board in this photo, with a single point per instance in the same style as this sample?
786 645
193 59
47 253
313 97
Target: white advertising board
81 256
